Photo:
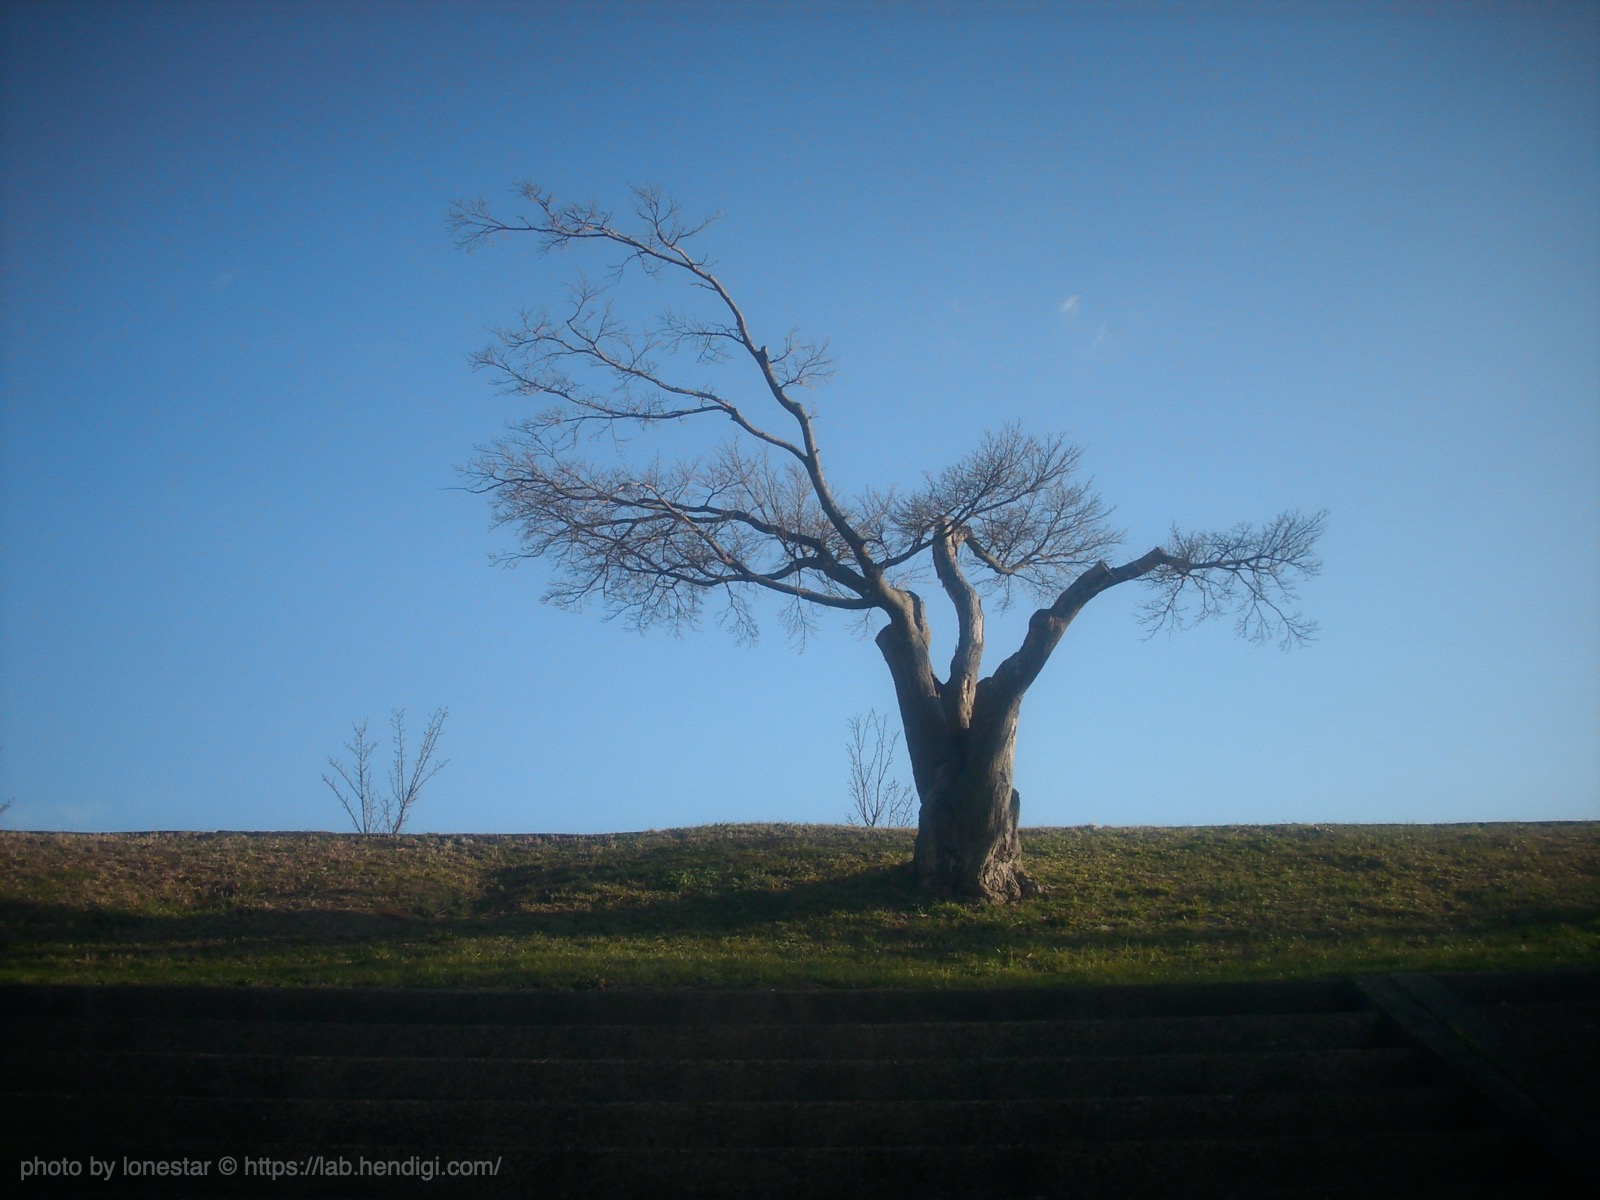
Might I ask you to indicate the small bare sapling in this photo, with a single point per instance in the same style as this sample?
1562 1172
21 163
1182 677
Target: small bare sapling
875 798
369 811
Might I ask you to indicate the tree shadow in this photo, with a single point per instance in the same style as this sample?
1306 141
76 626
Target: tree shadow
700 908
875 909
700 904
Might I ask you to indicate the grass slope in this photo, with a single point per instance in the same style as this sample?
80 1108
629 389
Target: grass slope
787 906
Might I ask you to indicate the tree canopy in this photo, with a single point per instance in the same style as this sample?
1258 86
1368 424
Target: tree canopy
757 512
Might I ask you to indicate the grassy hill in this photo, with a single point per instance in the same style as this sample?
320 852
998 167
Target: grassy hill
789 906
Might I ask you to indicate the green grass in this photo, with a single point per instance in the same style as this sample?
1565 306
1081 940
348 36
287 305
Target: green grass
791 906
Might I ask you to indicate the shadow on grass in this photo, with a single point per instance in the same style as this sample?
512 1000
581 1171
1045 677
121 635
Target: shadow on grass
759 906
498 911
654 893
874 911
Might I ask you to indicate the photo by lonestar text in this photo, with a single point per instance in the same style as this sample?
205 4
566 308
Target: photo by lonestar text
311 1166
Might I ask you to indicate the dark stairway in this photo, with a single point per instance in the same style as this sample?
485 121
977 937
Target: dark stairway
1333 1088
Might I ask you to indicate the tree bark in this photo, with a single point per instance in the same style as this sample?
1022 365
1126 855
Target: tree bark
967 844
961 752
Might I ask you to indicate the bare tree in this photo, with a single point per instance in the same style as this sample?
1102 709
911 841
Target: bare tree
876 799
362 802
757 514
370 811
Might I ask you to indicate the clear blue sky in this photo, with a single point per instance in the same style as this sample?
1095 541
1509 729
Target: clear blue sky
1250 257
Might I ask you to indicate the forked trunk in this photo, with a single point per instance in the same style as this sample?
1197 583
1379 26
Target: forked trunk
961 735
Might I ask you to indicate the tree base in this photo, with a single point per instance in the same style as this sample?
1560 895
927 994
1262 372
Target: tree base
1007 887
953 864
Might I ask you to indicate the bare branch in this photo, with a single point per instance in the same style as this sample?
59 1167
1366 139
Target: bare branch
538 358
1247 571
653 541
1251 572
531 361
1017 510
403 788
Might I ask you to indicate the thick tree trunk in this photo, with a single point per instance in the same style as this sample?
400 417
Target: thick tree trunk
961 737
967 844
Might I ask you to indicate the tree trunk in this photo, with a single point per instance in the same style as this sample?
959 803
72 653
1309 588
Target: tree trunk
961 737
967 844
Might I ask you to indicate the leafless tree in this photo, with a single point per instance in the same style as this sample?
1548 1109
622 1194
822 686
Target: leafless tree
876 799
757 514
369 811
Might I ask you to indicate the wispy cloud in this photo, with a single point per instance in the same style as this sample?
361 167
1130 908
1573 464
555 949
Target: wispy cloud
1083 328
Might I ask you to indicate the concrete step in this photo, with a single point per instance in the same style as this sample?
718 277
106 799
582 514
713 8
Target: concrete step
1303 1089
946 1039
673 1007
729 1079
303 1125
1576 984
1550 1019
1461 1039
